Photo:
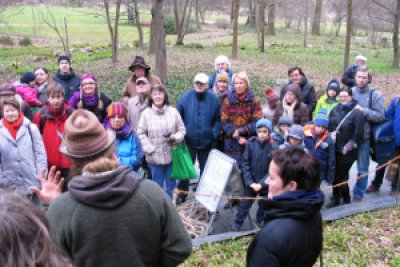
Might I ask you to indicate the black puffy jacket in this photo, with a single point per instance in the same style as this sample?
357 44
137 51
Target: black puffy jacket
307 94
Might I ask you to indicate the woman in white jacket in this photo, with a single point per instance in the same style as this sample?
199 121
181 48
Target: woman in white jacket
160 126
22 153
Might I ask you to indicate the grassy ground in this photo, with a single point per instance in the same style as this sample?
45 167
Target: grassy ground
368 239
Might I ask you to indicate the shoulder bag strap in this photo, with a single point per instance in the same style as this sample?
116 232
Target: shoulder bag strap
345 117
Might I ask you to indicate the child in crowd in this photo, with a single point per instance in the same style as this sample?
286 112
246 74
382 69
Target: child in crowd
254 166
279 135
330 99
50 120
272 98
320 144
295 136
127 145
26 88
222 87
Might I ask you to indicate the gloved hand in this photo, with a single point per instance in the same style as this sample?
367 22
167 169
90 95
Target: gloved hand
347 148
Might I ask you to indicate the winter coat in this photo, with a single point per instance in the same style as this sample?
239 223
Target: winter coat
135 108
52 131
351 130
301 114
130 85
292 231
93 107
22 159
70 81
277 138
376 113
255 161
115 219
153 124
28 94
42 93
212 82
241 115
268 112
325 103
323 150
201 114
393 111
307 94
348 77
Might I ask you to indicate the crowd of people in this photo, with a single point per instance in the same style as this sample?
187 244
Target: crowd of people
66 146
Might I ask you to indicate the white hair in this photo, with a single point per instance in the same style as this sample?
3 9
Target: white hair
222 59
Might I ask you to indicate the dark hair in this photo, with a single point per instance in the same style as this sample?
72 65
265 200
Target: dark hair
161 88
362 68
49 76
12 102
348 90
291 70
54 88
297 165
25 238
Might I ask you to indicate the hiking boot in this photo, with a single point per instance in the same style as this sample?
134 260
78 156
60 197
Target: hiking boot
372 189
231 203
235 227
357 199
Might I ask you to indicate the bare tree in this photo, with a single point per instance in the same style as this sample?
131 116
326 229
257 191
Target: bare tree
49 19
340 10
306 26
197 11
271 18
348 33
182 22
316 25
261 24
157 39
252 9
235 29
138 23
113 29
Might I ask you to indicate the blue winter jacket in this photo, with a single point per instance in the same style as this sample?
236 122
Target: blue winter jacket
70 81
213 80
393 111
201 114
325 153
255 161
129 151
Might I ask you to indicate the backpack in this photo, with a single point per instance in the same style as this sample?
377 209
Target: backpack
382 139
43 119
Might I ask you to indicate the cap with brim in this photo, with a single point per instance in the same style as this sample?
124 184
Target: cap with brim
138 61
142 79
201 78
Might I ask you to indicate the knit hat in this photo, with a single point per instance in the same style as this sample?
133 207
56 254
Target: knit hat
222 77
97 92
88 76
284 119
334 84
264 123
321 119
27 77
295 89
7 89
84 135
63 57
142 79
201 78
116 109
270 94
138 61
296 131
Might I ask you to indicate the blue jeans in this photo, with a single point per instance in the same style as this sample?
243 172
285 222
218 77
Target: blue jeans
162 174
360 188
245 206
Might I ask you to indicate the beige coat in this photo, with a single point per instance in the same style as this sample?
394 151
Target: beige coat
135 109
130 85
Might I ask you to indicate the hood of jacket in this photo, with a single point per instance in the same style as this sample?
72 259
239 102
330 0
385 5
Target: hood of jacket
300 205
66 76
107 189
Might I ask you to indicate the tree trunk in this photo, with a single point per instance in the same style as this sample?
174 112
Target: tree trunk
176 15
232 16
183 23
235 29
252 13
271 18
197 11
348 33
158 40
138 23
261 23
306 26
129 10
113 31
66 37
395 37
316 26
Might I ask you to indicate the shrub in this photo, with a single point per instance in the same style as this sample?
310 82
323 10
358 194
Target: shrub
222 23
193 45
5 40
169 25
25 41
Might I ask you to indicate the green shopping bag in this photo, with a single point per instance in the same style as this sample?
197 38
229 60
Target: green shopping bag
182 165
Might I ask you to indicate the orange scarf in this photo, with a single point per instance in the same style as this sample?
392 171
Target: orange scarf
13 127
322 139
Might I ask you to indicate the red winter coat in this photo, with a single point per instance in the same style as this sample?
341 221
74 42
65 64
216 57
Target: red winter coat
51 126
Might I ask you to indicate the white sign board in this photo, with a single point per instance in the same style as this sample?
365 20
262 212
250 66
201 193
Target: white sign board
214 179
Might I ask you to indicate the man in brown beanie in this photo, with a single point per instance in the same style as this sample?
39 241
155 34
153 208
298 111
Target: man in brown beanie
109 217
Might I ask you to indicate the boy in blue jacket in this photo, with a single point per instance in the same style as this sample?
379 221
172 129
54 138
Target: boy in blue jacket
254 167
319 144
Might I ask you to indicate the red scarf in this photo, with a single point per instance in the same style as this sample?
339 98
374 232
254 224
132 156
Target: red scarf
13 127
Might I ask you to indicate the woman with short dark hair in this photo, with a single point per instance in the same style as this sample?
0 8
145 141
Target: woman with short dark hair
292 231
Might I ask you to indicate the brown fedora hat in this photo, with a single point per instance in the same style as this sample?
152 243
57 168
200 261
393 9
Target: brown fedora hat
138 61
84 135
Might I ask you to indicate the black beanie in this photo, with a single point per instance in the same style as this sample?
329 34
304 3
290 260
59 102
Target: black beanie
64 57
334 84
27 77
